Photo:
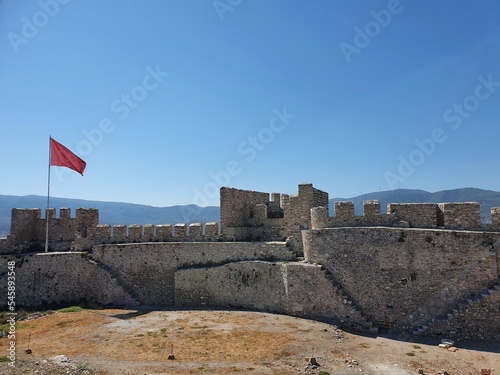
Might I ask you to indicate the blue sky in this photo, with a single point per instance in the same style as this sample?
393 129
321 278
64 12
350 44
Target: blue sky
167 100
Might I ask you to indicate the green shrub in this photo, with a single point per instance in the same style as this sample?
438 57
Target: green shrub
70 309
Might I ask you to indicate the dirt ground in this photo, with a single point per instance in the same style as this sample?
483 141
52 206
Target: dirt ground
224 342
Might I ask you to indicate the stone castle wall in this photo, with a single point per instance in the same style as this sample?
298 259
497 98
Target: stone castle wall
245 216
81 233
28 228
254 216
427 269
60 279
402 278
465 216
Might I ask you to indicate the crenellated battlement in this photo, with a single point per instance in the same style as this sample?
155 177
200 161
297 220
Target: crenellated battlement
464 216
27 225
244 216
256 216
28 230
420 262
195 232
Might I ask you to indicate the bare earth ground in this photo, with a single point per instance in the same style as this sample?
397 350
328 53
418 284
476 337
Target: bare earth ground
224 342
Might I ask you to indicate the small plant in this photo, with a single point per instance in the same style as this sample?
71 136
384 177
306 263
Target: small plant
417 347
323 373
70 309
411 354
4 358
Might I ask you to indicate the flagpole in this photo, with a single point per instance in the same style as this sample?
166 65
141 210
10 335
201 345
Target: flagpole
48 203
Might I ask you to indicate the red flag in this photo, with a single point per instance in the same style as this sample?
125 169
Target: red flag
60 156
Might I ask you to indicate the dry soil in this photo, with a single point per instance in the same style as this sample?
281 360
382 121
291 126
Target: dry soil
225 342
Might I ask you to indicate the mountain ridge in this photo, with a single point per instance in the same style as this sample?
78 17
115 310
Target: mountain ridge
486 198
132 213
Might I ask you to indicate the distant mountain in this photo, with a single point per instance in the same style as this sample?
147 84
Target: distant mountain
126 213
110 212
487 199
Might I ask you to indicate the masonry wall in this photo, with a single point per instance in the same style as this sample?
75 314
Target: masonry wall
293 288
52 279
148 270
475 322
28 229
406 215
252 216
254 285
237 206
403 277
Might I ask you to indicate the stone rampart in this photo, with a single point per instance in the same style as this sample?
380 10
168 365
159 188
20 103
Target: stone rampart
194 232
28 229
472 319
254 216
403 277
293 288
61 279
413 215
426 268
149 269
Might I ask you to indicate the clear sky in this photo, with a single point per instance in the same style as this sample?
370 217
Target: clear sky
167 100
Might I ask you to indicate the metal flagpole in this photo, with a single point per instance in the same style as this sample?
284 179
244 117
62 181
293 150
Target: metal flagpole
48 202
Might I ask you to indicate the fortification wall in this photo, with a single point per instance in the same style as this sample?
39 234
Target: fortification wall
82 232
53 279
194 232
28 229
465 216
408 275
149 269
292 288
127 274
253 216
237 206
253 285
477 321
